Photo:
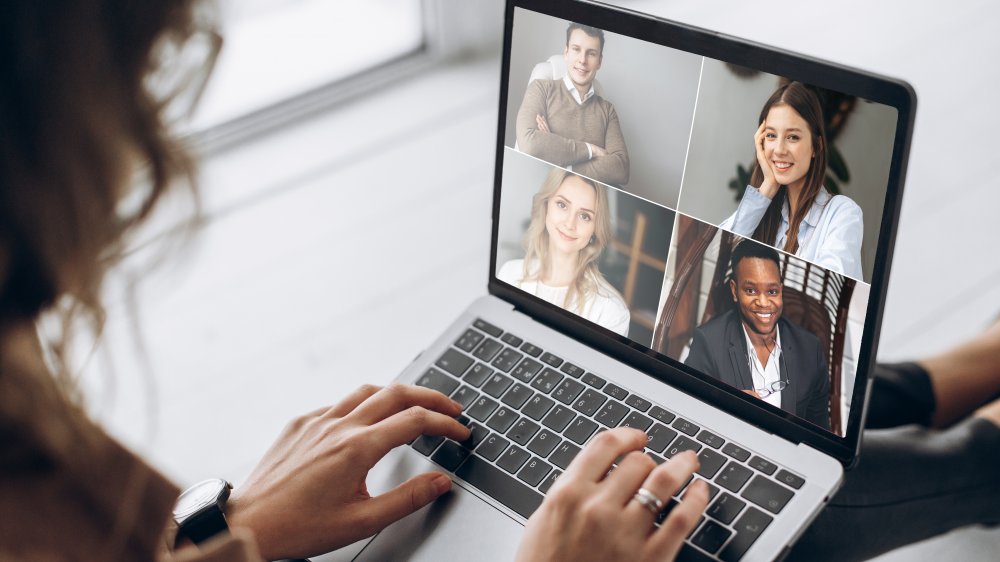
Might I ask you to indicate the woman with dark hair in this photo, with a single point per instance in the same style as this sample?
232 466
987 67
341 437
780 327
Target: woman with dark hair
80 120
785 204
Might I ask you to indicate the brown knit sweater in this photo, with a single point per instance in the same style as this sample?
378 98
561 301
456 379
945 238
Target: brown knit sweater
571 126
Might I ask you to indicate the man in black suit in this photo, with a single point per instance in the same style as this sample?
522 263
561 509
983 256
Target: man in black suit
753 348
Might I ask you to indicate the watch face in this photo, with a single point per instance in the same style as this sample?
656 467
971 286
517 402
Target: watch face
198 496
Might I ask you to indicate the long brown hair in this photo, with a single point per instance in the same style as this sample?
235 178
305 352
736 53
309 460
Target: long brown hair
79 123
587 278
805 102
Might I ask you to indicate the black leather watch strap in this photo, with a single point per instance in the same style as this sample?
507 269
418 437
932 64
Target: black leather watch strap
204 526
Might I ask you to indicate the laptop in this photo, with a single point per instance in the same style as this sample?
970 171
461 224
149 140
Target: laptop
617 288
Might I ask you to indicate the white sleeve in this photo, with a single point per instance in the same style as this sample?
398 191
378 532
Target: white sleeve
840 248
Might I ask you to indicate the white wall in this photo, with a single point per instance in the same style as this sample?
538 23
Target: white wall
652 88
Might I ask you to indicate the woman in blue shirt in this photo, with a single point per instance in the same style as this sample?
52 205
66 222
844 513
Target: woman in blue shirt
786 204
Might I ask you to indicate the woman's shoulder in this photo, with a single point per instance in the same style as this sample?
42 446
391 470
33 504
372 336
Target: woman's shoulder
512 271
608 293
843 204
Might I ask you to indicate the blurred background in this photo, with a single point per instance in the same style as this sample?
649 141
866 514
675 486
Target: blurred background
347 153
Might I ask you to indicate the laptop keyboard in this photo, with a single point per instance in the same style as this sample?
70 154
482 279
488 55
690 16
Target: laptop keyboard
531 412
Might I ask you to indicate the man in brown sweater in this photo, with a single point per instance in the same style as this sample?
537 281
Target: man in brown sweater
566 123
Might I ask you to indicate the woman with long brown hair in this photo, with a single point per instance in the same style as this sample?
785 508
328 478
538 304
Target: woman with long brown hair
81 118
785 204
570 227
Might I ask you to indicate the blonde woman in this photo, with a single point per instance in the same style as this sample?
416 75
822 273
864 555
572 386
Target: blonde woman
570 226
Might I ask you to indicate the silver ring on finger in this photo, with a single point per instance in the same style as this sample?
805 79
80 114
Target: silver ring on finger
649 500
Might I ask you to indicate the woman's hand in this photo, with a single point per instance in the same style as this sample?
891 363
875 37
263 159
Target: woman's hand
591 515
769 187
308 494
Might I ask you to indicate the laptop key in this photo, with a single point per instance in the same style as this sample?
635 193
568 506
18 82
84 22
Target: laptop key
487 327
465 396
548 482
589 402
659 437
558 418
511 340
710 439
790 479
522 431
686 427
551 360
726 508
482 408
477 374
450 454
564 454
534 471
531 350
711 537
638 403
689 553
526 370
497 385
469 340
544 443
748 528
580 430
517 396
594 380
513 459
763 465
547 381
737 452
492 446
638 421
500 486
487 350
733 476
615 391
537 407
567 391
502 419
477 435
680 445
425 444
767 494
506 360
454 362
438 381
711 462
612 413
659 414
571 370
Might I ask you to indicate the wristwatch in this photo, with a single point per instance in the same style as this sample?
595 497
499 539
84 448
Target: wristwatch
199 512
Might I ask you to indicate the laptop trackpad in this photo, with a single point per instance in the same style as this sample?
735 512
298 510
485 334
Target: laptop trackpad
458 526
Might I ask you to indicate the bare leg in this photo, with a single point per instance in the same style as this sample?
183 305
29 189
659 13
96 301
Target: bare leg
965 378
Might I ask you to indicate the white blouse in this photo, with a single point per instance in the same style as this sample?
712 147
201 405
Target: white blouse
605 308
829 236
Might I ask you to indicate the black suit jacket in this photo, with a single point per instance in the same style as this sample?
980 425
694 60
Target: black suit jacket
719 349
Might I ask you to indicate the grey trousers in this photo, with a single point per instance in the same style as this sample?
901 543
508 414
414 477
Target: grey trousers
910 482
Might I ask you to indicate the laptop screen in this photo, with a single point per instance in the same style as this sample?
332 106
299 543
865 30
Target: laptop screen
726 217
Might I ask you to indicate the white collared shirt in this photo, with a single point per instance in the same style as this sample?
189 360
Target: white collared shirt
764 376
829 236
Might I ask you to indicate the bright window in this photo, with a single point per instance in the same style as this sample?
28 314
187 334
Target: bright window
275 50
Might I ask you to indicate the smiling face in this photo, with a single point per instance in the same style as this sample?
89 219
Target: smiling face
583 58
788 145
570 216
756 287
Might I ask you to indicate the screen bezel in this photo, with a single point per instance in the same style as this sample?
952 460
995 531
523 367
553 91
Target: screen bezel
888 91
